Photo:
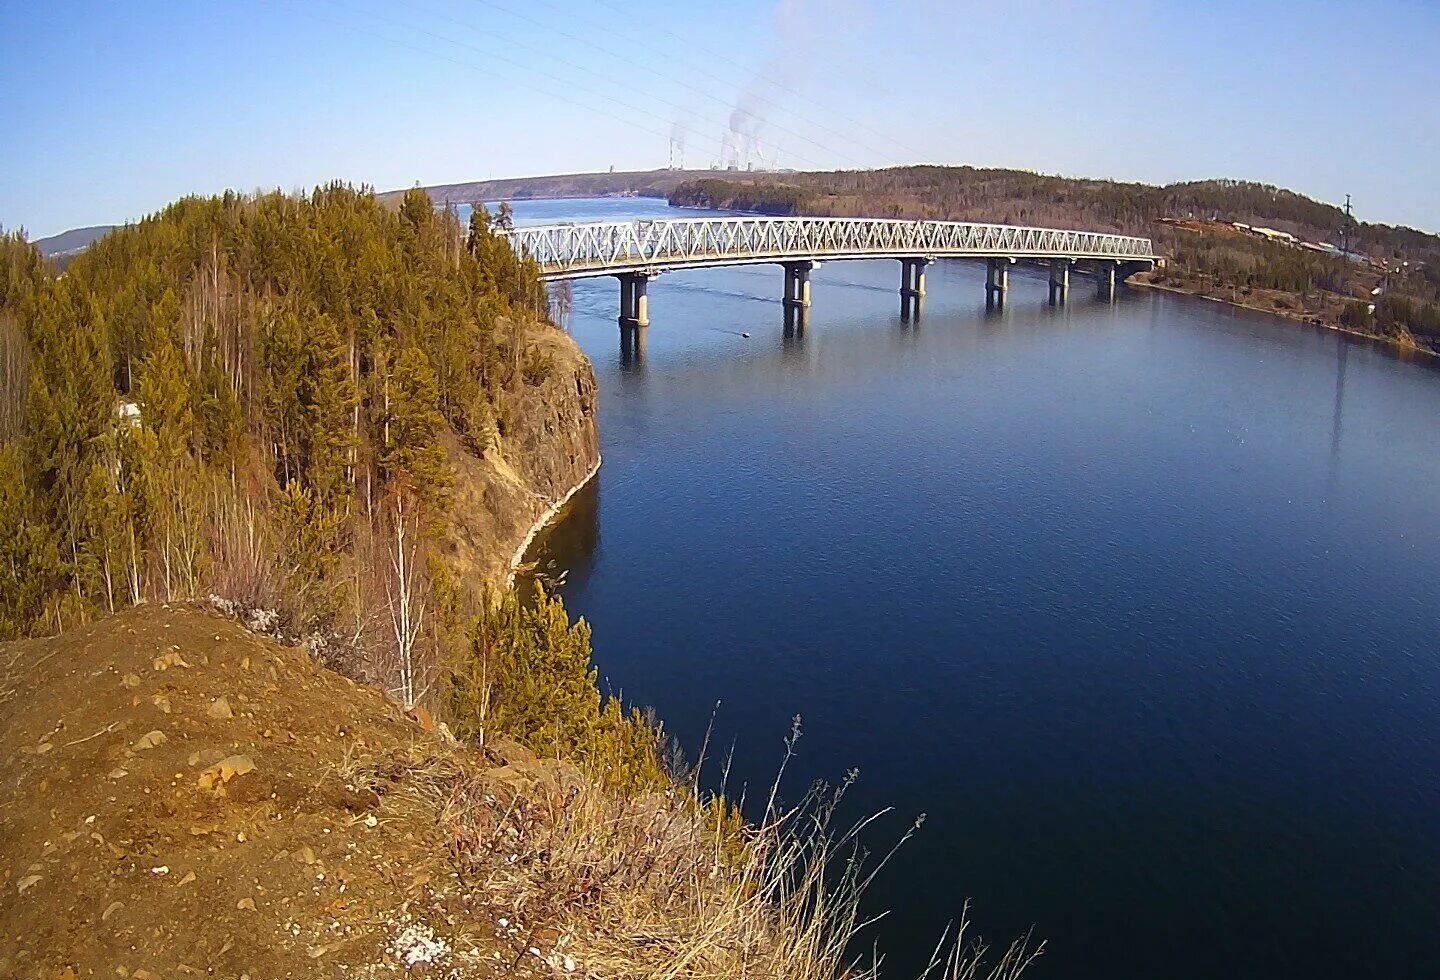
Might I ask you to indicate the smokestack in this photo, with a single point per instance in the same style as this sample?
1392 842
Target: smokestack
742 148
678 128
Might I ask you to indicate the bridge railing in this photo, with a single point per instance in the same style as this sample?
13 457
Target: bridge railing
605 246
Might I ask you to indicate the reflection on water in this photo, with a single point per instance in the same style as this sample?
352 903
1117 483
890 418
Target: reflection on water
632 346
1135 600
1341 349
571 542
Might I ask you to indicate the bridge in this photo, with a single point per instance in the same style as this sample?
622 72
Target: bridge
636 251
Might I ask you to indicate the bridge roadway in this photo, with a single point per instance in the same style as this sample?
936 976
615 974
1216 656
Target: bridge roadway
636 251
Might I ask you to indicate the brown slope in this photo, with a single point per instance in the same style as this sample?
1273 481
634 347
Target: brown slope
115 856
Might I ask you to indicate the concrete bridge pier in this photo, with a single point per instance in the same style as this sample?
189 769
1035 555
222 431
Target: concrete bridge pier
797 283
634 304
912 287
1059 280
1106 277
997 280
632 345
797 319
912 277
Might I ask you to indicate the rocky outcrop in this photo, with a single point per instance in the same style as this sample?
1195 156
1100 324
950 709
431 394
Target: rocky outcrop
548 449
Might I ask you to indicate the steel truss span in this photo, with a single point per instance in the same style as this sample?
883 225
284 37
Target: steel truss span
607 248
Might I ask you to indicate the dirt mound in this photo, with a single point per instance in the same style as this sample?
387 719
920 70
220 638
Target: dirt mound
184 798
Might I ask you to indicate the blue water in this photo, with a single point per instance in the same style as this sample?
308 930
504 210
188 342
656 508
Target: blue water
1136 602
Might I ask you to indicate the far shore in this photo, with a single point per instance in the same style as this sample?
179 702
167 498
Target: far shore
1307 319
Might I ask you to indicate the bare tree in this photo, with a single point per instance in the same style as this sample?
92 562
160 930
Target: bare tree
405 593
562 300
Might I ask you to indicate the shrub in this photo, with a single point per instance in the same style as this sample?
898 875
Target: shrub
525 672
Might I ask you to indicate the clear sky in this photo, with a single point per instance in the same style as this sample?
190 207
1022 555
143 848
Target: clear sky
108 110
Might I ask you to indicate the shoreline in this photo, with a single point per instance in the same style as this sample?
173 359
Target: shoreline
545 520
1390 342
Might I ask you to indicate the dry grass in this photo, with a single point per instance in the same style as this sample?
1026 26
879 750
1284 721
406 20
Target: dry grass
664 885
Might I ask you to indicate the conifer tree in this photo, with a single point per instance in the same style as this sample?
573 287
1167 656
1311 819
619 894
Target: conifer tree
309 535
172 480
164 391
104 519
30 569
327 397
221 419
479 227
282 345
413 426
416 209
71 408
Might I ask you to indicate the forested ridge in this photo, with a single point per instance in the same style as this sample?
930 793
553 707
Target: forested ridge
1025 197
1190 223
775 199
265 399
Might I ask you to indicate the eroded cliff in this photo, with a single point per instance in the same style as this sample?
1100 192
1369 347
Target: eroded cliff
547 449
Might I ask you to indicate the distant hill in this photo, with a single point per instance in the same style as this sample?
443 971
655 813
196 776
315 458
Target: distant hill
1289 265
1026 197
73 241
972 193
631 183
1245 243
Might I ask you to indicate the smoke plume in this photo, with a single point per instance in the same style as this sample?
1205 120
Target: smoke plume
741 145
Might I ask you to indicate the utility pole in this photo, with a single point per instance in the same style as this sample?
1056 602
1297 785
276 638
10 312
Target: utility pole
1345 229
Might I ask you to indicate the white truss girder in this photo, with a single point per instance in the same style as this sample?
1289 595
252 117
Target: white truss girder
602 248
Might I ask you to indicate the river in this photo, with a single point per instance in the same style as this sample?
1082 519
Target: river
1136 602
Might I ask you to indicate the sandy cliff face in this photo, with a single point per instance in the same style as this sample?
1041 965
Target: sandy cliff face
549 448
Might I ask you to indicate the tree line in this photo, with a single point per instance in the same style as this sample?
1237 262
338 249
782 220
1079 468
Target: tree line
259 397
774 199
1229 260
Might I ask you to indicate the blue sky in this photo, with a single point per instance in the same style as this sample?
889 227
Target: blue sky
109 110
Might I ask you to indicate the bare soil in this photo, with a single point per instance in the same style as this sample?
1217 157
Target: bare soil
184 798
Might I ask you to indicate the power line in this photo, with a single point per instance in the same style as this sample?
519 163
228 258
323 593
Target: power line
669 78
629 121
490 55
528 66
854 122
547 55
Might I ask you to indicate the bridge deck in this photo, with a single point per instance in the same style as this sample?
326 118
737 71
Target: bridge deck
605 248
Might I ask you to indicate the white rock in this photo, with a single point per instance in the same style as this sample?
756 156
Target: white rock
418 943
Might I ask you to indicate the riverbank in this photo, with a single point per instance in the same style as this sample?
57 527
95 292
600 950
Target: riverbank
1145 281
550 517
549 450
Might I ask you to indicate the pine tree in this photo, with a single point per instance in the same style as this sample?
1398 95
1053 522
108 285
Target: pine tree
221 419
479 228
172 479
328 398
30 570
71 408
164 392
412 426
416 209
104 522
309 535
283 416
